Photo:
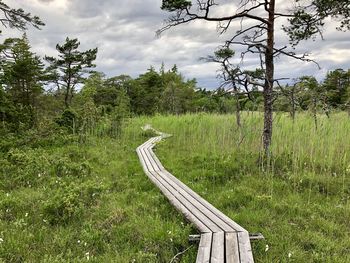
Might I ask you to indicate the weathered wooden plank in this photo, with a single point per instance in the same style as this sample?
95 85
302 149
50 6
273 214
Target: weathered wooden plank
155 158
232 251
203 255
245 249
146 160
197 205
175 201
215 221
218 248
222 239
219 224
189 194
226 219
188 205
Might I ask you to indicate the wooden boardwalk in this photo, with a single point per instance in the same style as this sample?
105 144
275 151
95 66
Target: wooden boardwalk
222 240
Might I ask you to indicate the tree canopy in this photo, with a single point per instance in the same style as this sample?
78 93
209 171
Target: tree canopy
18 18
71 66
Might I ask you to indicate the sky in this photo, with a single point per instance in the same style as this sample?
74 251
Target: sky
124 33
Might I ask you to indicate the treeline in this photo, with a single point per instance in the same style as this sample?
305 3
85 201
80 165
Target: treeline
307 94
65 91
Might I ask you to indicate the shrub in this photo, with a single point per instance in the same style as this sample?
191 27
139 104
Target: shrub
68 119
70 201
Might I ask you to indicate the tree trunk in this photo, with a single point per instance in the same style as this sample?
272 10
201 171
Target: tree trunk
238 109
315 112
68 87
66 97
269 80
293 104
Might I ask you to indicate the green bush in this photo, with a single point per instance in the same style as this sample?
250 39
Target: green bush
68 120
69 202
65 167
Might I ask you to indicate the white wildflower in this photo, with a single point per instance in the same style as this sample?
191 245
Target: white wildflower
78 241
85 244
1 240
348 169
87 254
26 215
289 255
266 248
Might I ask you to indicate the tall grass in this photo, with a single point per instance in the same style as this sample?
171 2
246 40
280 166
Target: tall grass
88 200
300 202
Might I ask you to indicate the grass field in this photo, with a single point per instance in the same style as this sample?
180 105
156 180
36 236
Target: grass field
87 199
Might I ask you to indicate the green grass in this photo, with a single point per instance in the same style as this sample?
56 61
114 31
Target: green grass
90 201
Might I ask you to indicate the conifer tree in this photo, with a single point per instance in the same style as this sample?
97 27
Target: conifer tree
17 18
70 67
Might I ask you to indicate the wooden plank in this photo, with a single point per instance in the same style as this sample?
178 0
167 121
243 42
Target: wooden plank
218 248
245 249
179 187
214 222
190 207
221 226
155 158
222 239
148 150
232 251
203 255
234 225
175 201
226 219
202 209
147 160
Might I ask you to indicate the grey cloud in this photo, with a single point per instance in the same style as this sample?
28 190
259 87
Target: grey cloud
124 32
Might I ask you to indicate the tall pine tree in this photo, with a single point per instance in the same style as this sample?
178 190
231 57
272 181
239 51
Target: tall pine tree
22 76
70 67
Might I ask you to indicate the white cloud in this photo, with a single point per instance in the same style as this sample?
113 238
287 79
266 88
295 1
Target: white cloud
124 32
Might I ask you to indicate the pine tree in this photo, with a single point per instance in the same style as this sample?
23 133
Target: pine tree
17 18
70 67
22 76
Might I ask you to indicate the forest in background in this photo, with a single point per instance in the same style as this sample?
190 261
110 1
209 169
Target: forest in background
64 92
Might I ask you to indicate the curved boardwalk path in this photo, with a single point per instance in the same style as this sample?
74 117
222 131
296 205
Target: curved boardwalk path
222 240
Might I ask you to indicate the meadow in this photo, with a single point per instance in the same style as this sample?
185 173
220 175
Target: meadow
74 198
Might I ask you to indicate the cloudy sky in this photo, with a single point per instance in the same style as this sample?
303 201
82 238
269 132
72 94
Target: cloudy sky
124 32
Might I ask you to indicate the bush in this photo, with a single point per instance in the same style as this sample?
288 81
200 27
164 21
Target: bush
64 167
68 120
70 201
